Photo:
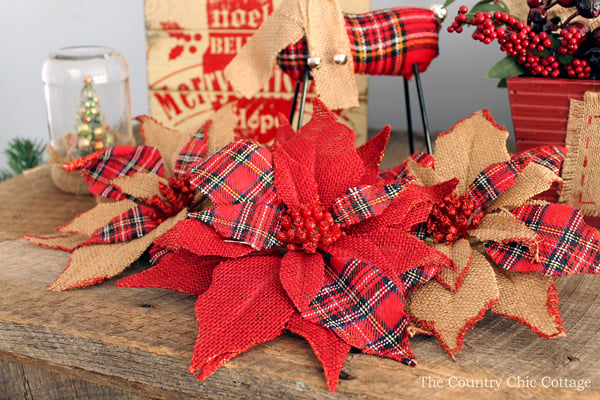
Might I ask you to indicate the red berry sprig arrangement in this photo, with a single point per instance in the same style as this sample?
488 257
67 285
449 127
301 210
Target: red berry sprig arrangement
541 46
452 219
308 227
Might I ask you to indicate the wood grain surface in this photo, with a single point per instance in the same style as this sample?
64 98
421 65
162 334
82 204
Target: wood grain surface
138 342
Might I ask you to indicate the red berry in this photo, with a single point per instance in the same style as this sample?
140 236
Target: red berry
463 9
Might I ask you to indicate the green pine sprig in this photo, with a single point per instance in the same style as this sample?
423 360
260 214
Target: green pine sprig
22 154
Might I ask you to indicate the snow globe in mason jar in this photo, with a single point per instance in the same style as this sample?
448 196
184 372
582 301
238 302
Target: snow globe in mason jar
88 106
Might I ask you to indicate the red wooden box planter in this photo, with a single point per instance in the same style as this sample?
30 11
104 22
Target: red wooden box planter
540 112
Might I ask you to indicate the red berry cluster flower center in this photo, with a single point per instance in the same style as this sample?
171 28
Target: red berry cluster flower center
308 227
174 197
453 218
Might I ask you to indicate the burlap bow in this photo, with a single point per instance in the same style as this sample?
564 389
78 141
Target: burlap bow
322 22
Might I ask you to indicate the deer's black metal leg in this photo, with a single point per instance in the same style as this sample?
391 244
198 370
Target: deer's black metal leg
303 98
423 110
295 101
411 132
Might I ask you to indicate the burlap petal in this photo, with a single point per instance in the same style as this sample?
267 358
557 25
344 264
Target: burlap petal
471 145
531 299
424 176
221 130
140 185
503 226
372 153
534 180
461 254
65 242
90 221
302 277
322 23
169 141
93 264
330 350
450 315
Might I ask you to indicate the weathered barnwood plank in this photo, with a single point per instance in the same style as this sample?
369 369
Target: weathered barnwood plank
140 340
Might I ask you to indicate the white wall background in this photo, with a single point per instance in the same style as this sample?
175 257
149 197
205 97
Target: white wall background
454 85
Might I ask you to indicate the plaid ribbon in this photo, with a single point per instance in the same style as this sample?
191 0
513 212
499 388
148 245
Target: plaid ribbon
550 157
567 245
413 278
133 224
240 172
365 309
382 42
191 154
102 167
496 179
363 202
255 224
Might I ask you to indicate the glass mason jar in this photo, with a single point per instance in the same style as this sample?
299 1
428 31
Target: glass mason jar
87 100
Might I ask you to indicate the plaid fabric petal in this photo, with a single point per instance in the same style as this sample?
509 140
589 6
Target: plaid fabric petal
365 309
240 172
135 223
400 172
567 245
255 224
413 278
496 179
363 202
100 168
383 42
192 153
550 157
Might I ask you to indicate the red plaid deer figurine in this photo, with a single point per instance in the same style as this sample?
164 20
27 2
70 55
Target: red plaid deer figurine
314 38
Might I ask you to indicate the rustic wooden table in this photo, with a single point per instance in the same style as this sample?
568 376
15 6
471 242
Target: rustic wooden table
108 342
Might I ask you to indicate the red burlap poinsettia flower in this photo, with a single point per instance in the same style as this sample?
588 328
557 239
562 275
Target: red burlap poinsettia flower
147 190
506 247
304 236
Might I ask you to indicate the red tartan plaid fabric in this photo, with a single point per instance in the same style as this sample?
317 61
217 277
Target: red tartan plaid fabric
255 224
550 157
240 172
192 153
383 42
365 309
130 225
567 245
102 167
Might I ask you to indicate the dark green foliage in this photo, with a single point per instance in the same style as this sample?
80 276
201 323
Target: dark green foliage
22 154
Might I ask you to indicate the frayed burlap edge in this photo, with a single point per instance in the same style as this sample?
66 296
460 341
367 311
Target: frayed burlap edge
571 171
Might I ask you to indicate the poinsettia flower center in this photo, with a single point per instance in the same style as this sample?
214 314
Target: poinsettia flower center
174 197
308 227
453 218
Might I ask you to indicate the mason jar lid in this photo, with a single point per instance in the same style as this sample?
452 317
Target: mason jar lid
70 65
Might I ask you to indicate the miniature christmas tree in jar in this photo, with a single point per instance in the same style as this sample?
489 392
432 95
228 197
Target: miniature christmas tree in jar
87 103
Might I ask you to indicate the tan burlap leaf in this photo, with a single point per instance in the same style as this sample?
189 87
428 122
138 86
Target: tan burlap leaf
530 298
140 185
252 67
221 130
424 176
503 226
460 252
449 315
534 180
94 263
471 145
321 21
169 141
581 168
65 242
90 221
